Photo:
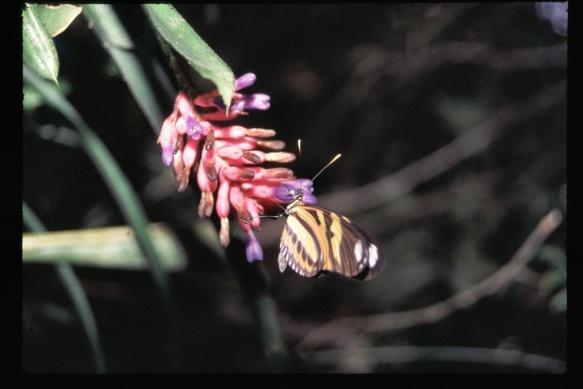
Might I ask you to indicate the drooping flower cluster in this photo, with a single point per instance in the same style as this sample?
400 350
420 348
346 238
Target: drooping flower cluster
225 160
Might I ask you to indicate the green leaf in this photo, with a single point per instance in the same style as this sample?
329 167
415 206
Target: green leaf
30 220
56 18
76 293
106 248
117 182
118 43
107 26
38 48
178 33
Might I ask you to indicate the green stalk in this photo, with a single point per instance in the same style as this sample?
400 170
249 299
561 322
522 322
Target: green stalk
75 291
119 45
113 176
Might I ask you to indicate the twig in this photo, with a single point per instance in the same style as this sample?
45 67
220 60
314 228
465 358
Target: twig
341 328
408 354
377 63
436 18
369 70
431 57
469 143
418 207
423 206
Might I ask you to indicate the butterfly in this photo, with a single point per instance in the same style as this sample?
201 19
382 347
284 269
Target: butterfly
317 241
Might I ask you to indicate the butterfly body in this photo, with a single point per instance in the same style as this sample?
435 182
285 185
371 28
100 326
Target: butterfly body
316 241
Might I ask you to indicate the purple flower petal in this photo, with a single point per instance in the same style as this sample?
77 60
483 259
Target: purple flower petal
253 249
193 128
245 80
237 107
303 184
289 190
283 193
309 198
167 156
258 101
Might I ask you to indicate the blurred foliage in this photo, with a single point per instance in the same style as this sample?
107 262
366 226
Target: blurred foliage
386 91
120 47
553 282
69 280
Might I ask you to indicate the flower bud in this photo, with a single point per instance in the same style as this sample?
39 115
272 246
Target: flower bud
260 132
271 144
205 207
245 80
253 249
223 205
224 234
280 157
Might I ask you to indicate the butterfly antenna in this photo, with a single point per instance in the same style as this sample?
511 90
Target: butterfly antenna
300 154
327 165
281 206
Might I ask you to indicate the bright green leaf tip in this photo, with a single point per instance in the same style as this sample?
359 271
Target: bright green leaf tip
57 18
38 48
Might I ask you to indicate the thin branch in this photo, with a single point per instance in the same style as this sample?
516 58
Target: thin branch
436 18
431 57
372 356
337 329
466 145
418 207
369 71
377 62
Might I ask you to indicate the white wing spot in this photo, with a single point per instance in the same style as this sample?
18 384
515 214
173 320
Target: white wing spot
373 255
358 251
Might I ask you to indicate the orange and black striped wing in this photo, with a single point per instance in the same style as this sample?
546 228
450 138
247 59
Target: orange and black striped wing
333 243
299 247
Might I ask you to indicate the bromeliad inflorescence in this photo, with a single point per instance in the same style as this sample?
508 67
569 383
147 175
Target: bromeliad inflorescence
226 159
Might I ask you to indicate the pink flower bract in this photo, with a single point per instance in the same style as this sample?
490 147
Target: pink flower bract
225 160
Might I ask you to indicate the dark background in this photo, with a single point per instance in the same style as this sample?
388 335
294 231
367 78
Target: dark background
383 84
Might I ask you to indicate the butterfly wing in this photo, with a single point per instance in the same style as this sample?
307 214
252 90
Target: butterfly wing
299 247
318 240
